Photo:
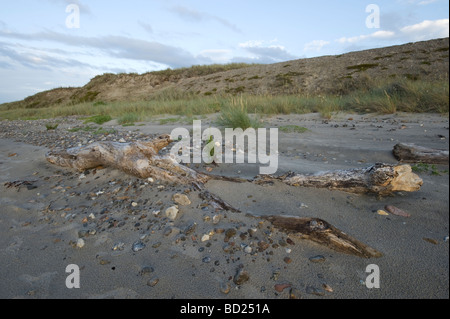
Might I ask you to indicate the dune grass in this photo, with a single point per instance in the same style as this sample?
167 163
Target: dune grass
385 97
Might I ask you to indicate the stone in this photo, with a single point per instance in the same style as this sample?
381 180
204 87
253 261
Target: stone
281 287
152 282
396 211
80 243
224 288
317 259
230 232
181 199
172 212
241 276
137 246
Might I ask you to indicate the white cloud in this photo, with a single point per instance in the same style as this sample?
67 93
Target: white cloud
315 45
426 30
266 52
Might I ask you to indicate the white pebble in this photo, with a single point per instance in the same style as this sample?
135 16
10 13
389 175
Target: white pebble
80 243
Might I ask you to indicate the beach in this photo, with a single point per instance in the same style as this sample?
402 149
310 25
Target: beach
113 226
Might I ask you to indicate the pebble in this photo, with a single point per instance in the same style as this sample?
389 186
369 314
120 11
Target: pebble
153 282
247 249
294 293
230 232
317 259
205 237
137 246
382 212
396 211
224 288
80 243
172 212
281 287
241 276
181 199
118 246
287 260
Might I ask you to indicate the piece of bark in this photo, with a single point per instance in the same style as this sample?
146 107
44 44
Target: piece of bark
411 153
322 232
140 159
380 179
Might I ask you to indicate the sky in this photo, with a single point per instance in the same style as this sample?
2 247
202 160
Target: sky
46 44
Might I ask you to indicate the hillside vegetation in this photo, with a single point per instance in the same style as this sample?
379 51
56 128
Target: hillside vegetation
411 78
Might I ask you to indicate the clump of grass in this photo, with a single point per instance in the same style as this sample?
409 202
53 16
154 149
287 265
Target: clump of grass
51 127
234 115
128 118
293 129
98 119
426 168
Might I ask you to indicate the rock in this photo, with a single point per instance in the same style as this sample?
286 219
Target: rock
247 249
224 288
262 245
206 259
118 246
181 199
137 246
396 211
153 282
317 259
294 293
327 288
287 260
230 232
172 212
80 243
382 212
205 237
281 287
241 277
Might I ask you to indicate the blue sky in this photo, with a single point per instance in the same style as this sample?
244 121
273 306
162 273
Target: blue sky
42 46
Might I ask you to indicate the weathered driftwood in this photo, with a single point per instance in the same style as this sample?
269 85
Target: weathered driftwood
140 159
321 232
380 178
411 153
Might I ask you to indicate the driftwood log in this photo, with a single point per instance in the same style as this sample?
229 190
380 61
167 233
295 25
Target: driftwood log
411 153
142 159
323 233
380 179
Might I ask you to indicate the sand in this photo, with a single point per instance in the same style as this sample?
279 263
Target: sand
41 224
